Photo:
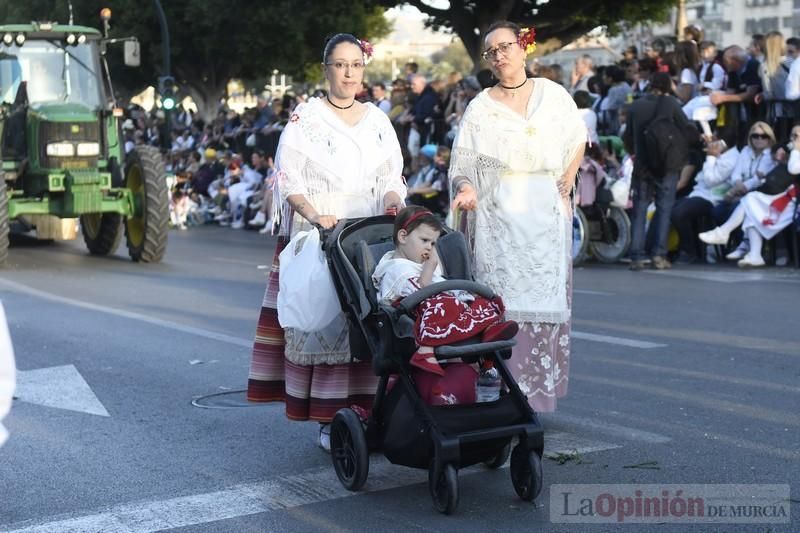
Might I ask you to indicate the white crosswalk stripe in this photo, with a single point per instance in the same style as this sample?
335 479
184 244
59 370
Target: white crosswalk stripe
283 492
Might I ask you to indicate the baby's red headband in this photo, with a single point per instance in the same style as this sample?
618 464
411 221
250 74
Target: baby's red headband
415 216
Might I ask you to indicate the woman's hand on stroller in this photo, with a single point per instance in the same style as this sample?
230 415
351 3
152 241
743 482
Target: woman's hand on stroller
392 203
466 197
324 221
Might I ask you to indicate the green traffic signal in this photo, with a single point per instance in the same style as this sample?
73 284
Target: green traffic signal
168 102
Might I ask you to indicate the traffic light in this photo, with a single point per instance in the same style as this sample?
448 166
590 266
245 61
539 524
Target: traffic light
167 90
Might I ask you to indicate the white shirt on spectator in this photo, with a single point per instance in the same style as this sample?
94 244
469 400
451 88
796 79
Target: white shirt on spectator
713 182
717 75
590 118
750 166
689 77
793 81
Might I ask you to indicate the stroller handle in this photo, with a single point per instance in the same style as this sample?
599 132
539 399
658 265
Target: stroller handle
411 301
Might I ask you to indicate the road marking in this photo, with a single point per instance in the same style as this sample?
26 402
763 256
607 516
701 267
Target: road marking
248 343
725 277
755 412
233 261
632 343
759 344
200 332
731 380
604 427
596 293
283 492
61 387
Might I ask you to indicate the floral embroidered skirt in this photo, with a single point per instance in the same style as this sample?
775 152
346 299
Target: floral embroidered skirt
540 360
310 392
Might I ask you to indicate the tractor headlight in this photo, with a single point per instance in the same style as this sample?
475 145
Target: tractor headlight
88 149
61 149
19 39
81 39
8 39
71 38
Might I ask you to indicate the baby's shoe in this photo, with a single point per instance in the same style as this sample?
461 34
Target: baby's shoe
426 362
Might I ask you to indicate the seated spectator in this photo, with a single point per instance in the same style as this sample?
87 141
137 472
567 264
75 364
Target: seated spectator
430 186
178 209
208 172
592 175
711 184
754 162
761 216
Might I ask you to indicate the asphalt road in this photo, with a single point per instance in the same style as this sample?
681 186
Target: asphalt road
681 377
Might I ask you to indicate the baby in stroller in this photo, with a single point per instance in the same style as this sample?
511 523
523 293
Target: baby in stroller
445 318
437 319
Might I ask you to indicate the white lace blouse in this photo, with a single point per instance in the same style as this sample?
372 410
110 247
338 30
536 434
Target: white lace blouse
521 229
342 170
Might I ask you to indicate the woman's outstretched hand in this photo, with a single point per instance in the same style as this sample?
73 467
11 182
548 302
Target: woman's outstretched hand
466 198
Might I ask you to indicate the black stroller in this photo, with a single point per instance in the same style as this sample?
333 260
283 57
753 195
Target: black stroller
441 439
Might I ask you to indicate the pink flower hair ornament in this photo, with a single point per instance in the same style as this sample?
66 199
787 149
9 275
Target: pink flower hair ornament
366 49
527 40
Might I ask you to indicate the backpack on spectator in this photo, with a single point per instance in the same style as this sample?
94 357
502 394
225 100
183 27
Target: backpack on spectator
665 145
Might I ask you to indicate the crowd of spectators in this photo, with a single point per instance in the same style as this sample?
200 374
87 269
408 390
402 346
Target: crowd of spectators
224 168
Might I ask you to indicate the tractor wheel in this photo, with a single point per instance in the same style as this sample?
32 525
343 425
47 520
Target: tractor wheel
146 230
3 220
101 232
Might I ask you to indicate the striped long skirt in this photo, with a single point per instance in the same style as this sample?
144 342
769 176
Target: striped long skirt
310 392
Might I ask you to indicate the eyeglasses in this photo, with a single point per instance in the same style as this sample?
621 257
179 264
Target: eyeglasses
762 136
502 48
343 65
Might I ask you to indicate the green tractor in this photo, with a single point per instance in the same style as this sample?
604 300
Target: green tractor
60 145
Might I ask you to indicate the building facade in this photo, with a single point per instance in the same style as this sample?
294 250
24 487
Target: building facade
728 22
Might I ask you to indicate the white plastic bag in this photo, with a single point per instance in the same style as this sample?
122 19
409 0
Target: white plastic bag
620 190
307 298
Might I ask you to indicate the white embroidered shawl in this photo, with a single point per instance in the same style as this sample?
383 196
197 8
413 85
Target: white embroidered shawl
342 170
521 231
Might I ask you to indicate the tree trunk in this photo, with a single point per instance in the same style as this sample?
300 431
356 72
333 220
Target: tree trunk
206 98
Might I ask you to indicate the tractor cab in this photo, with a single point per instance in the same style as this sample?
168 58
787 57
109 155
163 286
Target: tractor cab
60 147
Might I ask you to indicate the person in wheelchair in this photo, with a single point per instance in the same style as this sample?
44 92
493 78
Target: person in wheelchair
445 318
430 188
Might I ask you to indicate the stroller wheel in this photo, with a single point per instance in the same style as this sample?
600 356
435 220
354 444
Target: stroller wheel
526 473
349 450
444 488
500 459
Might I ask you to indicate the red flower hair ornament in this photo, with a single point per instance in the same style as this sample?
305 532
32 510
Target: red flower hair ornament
527 40
366 49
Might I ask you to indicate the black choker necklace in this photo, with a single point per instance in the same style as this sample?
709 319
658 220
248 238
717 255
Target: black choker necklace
513 89
339 106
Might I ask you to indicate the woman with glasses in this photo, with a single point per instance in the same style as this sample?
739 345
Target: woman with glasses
337 158
761 216
513 166
755 161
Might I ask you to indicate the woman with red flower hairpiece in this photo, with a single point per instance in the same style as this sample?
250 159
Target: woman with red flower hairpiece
512 168
337 158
